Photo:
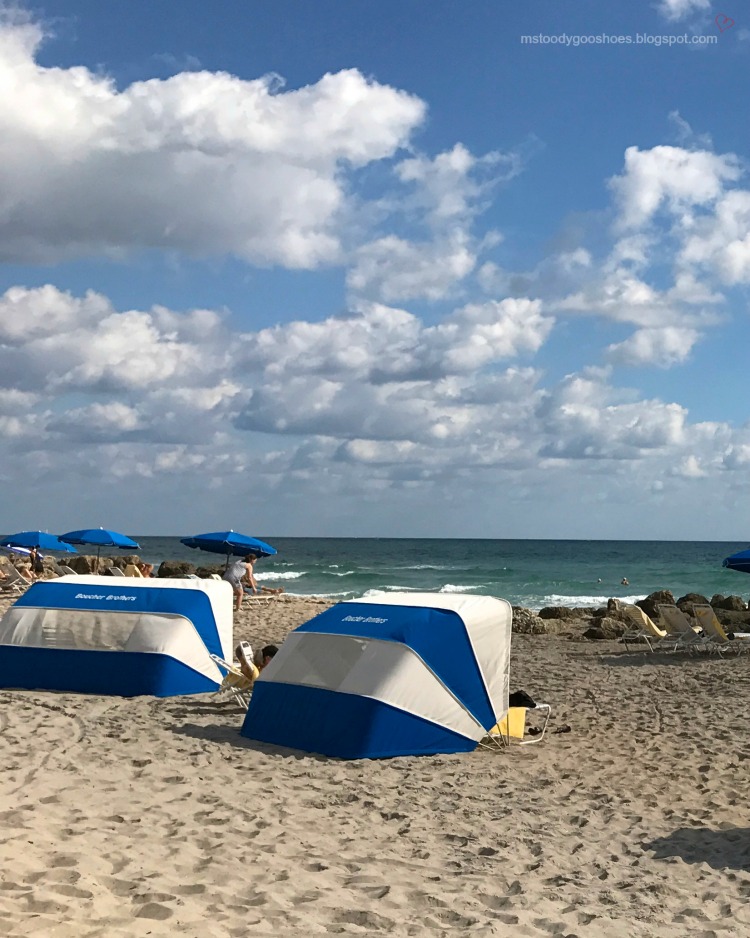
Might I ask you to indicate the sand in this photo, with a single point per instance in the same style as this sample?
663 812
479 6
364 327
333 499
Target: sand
131 817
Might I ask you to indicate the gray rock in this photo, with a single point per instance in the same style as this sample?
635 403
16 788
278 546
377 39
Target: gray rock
606 628
559 612
690 598
527 622
649 604
731 603
175 568
205 572
86 563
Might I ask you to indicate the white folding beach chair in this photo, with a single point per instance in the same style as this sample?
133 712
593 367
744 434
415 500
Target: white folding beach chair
13 582
644 628
68 571
689 637
717 636
262 599
116 571
235 683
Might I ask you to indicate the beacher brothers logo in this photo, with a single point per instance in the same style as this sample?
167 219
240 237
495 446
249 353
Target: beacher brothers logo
363 619
102 596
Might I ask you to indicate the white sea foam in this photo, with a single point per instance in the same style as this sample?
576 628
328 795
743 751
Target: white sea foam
345 573
275 575
556 599
344 593
453 588
369 594
426 566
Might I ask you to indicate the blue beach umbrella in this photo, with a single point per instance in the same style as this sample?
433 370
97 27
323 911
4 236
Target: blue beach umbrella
100 537
15 550
229 543
739 561
40 539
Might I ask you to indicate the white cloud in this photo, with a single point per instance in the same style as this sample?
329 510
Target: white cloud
373 403
669 175
678 9
662 347
201 162
585 419
53 341
450 187
443 195
721 241
392 269
690 468
686 136
382 344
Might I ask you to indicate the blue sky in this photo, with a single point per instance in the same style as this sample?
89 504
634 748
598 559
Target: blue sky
375 268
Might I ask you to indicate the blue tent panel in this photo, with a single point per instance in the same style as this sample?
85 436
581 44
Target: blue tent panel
342 725
119 597
438 636
123 674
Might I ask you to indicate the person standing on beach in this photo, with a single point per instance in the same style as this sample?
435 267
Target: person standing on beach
236 572
37 562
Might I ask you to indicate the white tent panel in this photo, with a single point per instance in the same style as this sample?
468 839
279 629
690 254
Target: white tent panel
219 594
148 633
386 671
488 622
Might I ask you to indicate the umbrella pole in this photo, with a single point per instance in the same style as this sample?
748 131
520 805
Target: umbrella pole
98 551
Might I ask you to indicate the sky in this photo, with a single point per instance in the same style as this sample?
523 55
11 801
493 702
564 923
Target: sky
413 268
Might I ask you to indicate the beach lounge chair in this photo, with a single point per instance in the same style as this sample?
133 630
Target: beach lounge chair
716 634
688 637
68 571
132 570
643 627
235 683
116 571
13 582
262 599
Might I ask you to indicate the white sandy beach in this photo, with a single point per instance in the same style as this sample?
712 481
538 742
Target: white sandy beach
134 817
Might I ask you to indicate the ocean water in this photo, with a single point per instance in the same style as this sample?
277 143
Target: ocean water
527 573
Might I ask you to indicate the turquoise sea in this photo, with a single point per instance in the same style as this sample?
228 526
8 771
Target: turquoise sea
528 573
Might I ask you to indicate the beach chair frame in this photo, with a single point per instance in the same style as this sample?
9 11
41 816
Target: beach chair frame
689 637
500 737
644 628
13 581
718 640
235 683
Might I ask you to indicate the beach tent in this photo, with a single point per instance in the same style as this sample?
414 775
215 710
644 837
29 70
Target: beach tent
398 674
98 635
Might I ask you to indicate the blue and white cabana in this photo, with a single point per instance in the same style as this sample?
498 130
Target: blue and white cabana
398 674
101 635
